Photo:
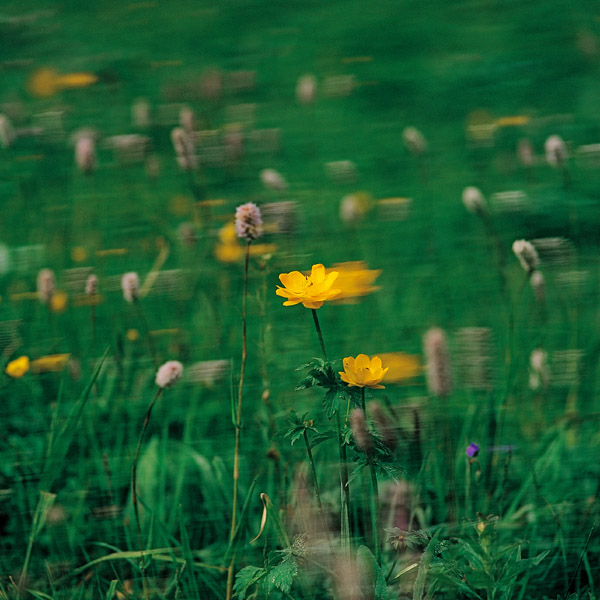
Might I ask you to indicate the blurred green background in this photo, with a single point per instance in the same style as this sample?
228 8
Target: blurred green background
473 77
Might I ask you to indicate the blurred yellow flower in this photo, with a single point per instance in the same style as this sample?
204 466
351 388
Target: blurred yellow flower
401 366
47 82
59 301
354 280
132 335
18 367
50 363
230 250
362 372
311 290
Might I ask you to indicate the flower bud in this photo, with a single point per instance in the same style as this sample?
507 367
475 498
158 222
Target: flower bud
91 285
248 222
169 373
414 141
273 179
439 379
473 200
306 89
46 285
556 151
527 255
85 154
130 284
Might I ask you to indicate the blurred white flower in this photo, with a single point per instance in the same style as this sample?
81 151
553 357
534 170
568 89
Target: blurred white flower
473 199
556 151
273 179
169 373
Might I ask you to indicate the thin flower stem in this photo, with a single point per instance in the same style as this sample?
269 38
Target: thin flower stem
238 427
319 332
134 497
345 489
314 476
375 496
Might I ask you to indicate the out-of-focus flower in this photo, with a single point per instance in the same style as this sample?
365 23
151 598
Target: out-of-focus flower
539 372
360 431
47 82
342 171
18 367
473 200
312 290
91 285
476 357
229 250
363 372
354 207
525 153
7 132
187 119
354 280
385 426
248 222
50 363
414 141
140 113
439 378
46 284
185 149
58 301
306 89
527 255
281 217
538 285
401 366
472 450
130 285
208 372
273 179
169 373
556 151
85 154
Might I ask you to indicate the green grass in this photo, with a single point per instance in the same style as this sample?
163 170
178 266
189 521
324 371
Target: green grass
518 523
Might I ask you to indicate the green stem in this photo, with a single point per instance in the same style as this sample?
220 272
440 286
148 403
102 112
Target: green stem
134 498
314 476
345 489
375 486
319 333
238 427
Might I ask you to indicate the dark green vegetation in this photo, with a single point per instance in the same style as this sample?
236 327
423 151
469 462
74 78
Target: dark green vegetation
521 520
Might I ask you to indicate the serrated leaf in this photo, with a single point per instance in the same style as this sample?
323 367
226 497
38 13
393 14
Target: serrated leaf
282 575
245 579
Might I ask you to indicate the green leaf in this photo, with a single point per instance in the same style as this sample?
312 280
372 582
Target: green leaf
322 437
246 578
282 575
367 565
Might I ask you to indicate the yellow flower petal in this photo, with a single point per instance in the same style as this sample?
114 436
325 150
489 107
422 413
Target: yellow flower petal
317 274
18 367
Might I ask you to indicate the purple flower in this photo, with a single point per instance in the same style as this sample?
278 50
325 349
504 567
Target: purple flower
472 450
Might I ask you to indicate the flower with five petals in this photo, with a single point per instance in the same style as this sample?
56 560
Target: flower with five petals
310 290
363 372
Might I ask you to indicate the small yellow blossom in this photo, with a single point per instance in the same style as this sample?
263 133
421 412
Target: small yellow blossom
59 301
78 254
132 335
401 366
18 367
362 372
230 250
50 363
354 280
311 290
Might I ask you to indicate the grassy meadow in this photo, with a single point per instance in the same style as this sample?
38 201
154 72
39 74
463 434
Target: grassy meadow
355 128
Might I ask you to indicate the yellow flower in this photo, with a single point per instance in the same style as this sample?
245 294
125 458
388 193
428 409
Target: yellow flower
50 363
18 367
401 366
362 372
354 280
311 290
59 301
230 250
